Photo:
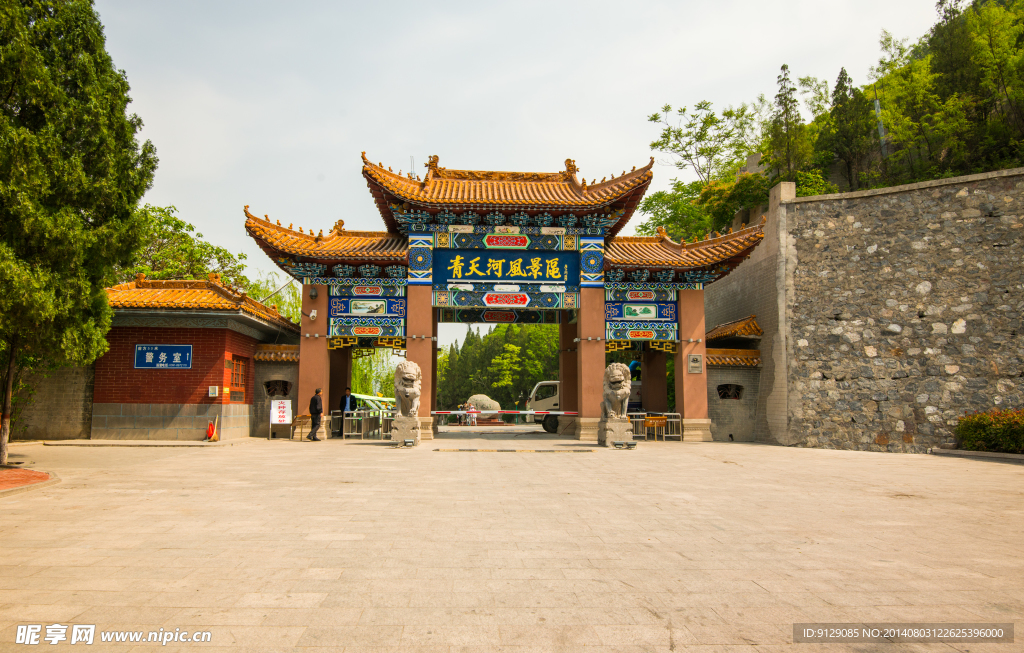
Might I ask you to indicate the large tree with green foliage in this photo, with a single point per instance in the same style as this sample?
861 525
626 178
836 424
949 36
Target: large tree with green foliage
677 210
788 147
504 364
71 175
847 132
374 374
701 141
172 251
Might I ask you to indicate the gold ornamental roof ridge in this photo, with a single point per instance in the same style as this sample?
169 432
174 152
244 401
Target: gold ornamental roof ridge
337 230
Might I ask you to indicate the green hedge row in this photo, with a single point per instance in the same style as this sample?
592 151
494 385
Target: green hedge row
998 430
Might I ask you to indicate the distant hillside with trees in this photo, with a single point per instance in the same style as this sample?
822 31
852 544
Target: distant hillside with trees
950 104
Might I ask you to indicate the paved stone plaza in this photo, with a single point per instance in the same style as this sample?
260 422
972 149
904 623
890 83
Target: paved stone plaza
355 546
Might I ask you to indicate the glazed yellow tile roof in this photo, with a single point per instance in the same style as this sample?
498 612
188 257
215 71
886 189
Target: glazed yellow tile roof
444 186
277 353
748 326
480 189
196 295
662 251
339 243
734 357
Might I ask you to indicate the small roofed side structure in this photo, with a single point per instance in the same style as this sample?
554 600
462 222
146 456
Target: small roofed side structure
148 296
183 355
735 343
734 375
743 328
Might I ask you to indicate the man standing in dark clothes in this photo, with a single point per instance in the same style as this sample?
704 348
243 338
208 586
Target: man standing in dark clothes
316 409
348 402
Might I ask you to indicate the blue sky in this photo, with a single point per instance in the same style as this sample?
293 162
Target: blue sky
269 103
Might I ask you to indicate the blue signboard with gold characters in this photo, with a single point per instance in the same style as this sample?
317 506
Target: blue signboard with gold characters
169 357
551 268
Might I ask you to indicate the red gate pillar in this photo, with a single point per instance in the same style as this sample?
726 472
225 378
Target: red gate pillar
420 350
314 361
341 375
691 368
590 362
433 386
654 376
568 386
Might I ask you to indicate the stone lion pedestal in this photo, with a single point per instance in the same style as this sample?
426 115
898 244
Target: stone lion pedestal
614 430
406 428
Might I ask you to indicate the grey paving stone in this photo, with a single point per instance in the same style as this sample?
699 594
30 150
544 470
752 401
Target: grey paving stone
353 545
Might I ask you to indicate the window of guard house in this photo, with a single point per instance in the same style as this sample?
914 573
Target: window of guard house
546 392
730 391
277 388
239 367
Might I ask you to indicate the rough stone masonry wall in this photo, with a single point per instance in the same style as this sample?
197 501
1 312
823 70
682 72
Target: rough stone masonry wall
59 408
903 311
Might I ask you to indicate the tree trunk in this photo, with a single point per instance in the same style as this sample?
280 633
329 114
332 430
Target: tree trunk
5 419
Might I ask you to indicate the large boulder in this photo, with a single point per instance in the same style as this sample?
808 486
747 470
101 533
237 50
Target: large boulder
483 402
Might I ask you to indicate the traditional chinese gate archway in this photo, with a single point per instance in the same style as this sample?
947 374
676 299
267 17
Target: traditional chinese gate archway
466 240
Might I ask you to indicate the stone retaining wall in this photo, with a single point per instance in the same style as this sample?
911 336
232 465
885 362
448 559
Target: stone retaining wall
900 311
906 311
58 408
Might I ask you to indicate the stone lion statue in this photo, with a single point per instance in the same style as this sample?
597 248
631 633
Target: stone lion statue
616 391
408 384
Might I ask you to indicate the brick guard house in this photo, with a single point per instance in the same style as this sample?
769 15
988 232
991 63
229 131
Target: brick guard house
224 355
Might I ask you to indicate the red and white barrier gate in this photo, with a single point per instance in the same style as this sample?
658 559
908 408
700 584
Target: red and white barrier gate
503 412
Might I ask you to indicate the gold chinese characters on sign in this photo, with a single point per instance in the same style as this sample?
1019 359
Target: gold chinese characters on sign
525 268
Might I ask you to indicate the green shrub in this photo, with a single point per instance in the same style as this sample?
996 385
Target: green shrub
998 430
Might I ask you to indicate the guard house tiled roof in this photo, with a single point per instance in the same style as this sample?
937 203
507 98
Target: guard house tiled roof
662 251
733 357
193 295
338 245
456 190
746 327
277 353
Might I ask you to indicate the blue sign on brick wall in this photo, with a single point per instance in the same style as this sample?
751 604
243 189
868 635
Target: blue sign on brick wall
175 357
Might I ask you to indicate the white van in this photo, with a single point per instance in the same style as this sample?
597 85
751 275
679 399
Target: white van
545 396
